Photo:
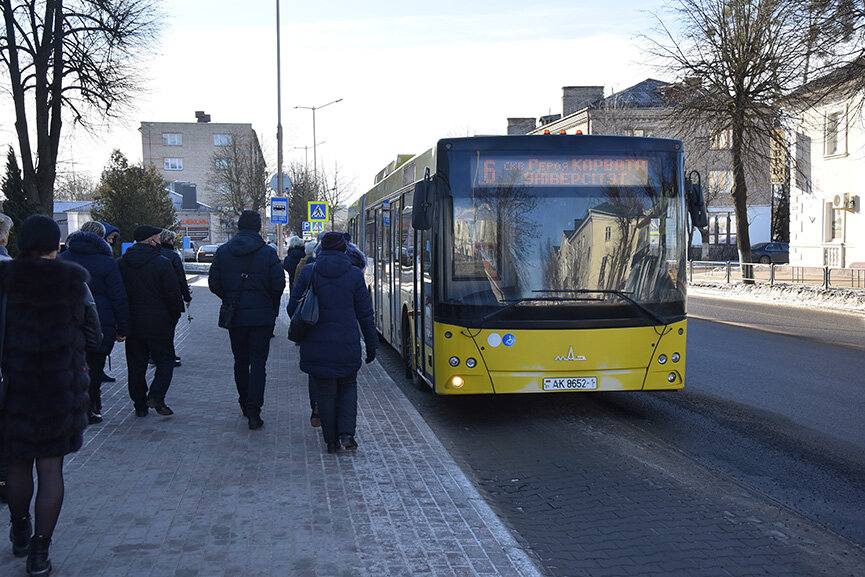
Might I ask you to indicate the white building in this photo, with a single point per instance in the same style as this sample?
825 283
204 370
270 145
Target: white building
827 227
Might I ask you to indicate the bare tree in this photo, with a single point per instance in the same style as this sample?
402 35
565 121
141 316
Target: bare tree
746 55
238 174
74 185
334 190
304 188
69 59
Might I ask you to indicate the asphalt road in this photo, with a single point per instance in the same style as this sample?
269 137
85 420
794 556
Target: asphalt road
757 467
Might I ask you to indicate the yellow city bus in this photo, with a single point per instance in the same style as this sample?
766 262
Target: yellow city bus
521 264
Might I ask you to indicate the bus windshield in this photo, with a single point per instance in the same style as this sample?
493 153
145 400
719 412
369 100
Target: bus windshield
548 230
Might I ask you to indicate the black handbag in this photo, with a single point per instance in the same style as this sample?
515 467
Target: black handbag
4 384
306 313
228 310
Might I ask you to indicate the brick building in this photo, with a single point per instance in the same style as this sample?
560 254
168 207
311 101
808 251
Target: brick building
187 153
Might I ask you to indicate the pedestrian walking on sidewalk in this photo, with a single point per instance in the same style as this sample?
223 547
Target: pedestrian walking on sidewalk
331 354
247 275
166 241
88 248
5 229
155 305
295 254
52 318
308 258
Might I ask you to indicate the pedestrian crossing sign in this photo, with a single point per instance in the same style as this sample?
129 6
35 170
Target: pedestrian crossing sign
317 227
317 211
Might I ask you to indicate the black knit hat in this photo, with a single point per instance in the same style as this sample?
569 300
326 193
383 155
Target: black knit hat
144 232
249 220
38 234
333 241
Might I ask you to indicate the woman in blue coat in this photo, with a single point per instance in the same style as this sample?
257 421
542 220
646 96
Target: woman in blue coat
331 353
295 253
88 249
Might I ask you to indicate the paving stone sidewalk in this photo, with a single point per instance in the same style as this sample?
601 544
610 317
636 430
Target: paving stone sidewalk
199 494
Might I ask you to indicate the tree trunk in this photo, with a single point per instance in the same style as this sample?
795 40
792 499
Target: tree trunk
740 202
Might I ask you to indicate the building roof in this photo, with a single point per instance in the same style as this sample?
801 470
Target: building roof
72 206
646 94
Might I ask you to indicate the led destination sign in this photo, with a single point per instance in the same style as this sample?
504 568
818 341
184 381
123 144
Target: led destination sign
561 171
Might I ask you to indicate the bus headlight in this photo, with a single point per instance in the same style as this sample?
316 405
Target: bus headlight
675 357
457 382
454 361
471 363
671 377
662 359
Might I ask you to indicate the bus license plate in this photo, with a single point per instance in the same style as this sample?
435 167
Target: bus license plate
571 384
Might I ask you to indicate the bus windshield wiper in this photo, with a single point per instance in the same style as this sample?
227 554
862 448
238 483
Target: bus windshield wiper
621 294
515 302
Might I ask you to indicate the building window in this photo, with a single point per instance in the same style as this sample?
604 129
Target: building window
172 139
723 139
720 180
836 225
608 233
221 164
648 133
722 228
221 140
835 134
172 163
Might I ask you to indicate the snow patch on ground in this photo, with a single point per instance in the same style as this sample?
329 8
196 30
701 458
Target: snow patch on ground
843 300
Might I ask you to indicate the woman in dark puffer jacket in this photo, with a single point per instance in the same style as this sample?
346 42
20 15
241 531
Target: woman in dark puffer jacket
88 248
330 353
50 319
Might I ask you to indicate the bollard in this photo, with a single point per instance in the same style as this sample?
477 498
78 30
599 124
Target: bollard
825 277
772 274
728 272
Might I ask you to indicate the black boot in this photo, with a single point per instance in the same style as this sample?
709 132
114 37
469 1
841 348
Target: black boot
19 534
38 562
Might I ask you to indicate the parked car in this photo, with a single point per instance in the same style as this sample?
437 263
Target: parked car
766 252
207 252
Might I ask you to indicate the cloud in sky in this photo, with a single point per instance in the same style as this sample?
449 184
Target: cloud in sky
407 75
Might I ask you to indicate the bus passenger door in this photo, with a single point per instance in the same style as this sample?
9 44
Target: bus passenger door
424 302
386 272
379 266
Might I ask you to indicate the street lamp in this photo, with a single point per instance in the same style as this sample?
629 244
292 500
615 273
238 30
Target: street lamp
314 108
305 150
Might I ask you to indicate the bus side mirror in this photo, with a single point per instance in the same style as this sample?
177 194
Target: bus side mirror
422 211
696 202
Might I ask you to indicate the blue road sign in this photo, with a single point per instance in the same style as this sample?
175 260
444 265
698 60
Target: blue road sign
317 211
305 226
317 227
274 185
279 210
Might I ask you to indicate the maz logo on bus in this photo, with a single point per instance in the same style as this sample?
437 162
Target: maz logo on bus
571 356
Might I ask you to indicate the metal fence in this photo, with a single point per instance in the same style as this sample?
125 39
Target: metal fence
772 274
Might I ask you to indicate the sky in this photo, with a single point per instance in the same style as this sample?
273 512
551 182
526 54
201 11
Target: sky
408 73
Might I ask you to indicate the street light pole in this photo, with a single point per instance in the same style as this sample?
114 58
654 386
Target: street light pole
314 157
305 150
279 243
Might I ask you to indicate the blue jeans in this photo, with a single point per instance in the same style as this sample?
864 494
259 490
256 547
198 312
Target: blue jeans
337 405
250 347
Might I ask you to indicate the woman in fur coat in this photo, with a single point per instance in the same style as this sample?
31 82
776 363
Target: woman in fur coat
49 320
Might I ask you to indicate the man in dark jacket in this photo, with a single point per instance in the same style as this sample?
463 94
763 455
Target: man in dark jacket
155 305
247 274
88 248
166 241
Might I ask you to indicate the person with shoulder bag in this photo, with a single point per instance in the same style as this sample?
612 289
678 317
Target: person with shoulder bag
248 277
330 351
53 317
